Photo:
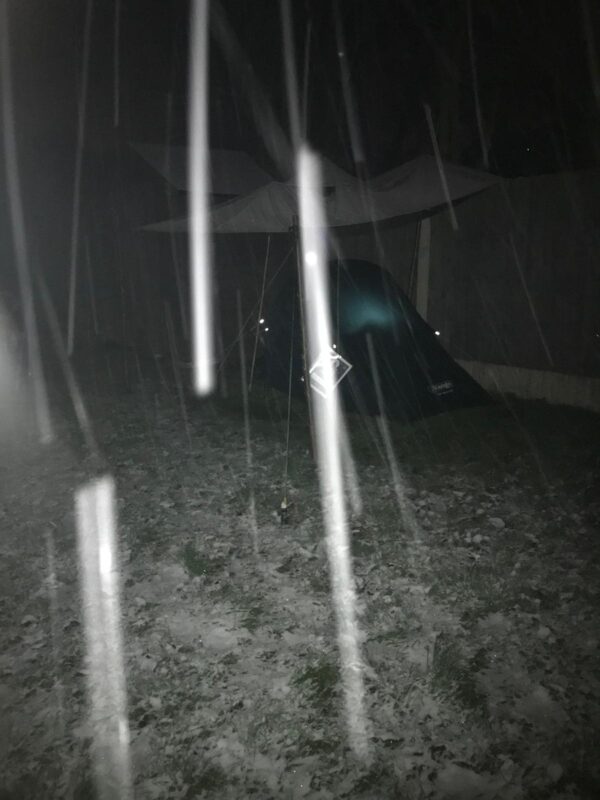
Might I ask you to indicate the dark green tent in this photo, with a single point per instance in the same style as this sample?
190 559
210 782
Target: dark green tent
418 378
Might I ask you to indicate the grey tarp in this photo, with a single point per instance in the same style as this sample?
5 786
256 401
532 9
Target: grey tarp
415 187
231 171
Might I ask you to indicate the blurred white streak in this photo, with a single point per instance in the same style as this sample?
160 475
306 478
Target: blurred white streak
69 375
77 186
17 221
199 181
99 579
440 164
406 513
117 65
328 422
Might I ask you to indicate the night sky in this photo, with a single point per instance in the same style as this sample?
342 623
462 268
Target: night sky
533 71
534 68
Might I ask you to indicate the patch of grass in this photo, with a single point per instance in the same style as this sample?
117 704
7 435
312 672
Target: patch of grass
198 564
454 676
381 778
362 548
319 582
395 635
252 617
321 682
211 778
315 747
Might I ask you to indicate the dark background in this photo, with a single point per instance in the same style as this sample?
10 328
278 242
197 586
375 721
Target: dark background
538 90
534 76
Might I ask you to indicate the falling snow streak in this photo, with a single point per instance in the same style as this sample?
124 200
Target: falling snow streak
117 65
534 314
55 626
306 78
291 79
17 220
99 578
475 79
440 165
76 396
77 185
590 42
406 514
248 440
327 417
350 473
251 89
260 313
351 114
92 292
183 308
177 374
200 263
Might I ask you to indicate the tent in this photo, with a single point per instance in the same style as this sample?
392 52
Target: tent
417 377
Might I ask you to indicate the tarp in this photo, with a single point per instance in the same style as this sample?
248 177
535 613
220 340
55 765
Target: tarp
421 179
232 172
415 187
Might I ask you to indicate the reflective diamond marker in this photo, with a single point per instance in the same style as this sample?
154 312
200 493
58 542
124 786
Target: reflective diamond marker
341 368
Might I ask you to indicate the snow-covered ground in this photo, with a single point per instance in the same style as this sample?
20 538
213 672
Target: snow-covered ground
481 636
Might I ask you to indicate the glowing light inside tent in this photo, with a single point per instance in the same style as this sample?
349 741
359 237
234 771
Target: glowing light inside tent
362 312
437 333
200 278
329 438
99 578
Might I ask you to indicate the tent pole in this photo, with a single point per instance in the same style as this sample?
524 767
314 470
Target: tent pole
423 263
260 310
